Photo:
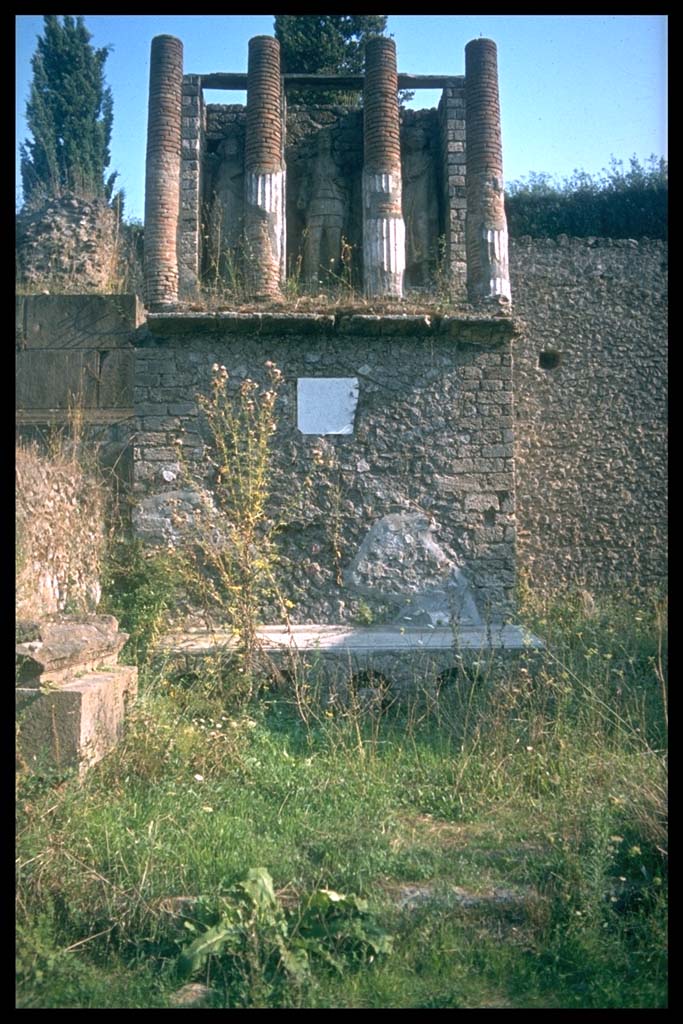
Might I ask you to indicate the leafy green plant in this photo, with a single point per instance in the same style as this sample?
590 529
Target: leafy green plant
252 930
257 940
339 929
140 587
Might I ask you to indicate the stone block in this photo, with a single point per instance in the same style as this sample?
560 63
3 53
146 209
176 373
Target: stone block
116 379
81 321
56 380
75 724
64 646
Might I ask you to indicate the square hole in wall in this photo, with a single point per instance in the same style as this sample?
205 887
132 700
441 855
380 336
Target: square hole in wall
326 405
549 360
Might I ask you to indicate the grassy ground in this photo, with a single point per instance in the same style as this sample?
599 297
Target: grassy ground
549 791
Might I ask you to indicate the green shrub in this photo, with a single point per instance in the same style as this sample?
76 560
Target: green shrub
617 204
140 587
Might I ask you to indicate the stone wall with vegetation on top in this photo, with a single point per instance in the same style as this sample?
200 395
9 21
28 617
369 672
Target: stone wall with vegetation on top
69 243
590 385
413 506
590 393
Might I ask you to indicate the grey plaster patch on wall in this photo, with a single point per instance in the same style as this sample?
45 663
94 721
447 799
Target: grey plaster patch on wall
401 561
326 405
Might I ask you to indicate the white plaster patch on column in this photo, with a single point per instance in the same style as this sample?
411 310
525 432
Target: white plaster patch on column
283 228
326 405
393 241
496 254
379 182
267 192
384 237
384 255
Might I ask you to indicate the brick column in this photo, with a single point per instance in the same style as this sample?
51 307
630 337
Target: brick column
384 235
487 237
162 175
264 170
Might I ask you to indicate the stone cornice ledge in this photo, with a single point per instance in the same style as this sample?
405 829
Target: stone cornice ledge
470 327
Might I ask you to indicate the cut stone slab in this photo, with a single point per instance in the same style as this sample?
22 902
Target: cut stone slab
326 405
76 723
403 656
193 996
102 322
66 646
409 897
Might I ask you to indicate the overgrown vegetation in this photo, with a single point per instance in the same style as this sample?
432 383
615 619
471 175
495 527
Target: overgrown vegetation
229 562
618 203
141 588
548 787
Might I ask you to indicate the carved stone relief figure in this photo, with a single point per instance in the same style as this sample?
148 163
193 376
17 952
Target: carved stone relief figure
226 201
420 205
323 200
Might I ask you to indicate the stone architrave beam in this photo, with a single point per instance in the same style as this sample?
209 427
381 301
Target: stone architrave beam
487 237
264 170
384 245
162 175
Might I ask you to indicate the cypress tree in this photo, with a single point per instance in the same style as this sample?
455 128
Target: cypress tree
69 115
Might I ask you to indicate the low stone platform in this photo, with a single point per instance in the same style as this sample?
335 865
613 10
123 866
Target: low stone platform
71 695
399 656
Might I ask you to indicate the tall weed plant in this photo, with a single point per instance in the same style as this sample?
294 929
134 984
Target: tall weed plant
232 567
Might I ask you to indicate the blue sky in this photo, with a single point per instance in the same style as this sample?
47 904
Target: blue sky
575 89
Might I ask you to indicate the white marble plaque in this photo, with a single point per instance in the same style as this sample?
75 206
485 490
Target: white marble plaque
326 405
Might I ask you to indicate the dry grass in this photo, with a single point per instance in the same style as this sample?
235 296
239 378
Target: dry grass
60 532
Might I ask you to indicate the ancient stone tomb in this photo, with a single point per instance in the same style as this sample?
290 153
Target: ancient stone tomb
392 477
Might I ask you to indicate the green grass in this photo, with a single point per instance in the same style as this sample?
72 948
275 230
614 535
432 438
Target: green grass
551 786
